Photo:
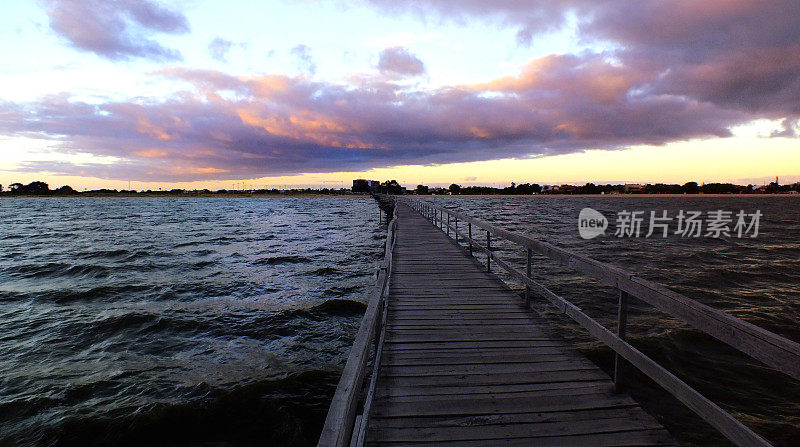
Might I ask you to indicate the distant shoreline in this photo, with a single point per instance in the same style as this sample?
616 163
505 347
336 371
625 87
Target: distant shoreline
356 196
177 196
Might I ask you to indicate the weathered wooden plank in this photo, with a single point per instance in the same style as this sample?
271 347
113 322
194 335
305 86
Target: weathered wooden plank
598 385
519 430
472 344
631 412
481 393
624 438
484 368
469 330
467 359
499 405
429 318
494 379
466 352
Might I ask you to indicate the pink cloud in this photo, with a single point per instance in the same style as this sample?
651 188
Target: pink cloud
282 125
398 61
103 27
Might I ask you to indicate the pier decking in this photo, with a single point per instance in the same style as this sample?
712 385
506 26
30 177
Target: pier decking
465 364
447 354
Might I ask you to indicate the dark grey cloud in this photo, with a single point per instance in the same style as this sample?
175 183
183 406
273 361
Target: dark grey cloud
280 125
398 61
116 29
742 54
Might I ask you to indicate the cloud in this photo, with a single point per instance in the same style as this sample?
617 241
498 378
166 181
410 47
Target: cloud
280 125
398 61
219 48
674 70
303 59
743 54
116 30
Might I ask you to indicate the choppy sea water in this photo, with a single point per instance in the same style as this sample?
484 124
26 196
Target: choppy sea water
226 321
178 321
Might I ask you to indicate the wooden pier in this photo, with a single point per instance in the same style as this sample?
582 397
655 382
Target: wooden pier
447 354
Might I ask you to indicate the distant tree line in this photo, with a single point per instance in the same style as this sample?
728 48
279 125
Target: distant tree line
37 189
591 188
393 187
43 189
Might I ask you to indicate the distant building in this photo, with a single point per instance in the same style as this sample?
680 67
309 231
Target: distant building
566 189
366 186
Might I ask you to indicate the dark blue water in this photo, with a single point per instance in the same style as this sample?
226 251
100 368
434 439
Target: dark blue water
226 321
178 321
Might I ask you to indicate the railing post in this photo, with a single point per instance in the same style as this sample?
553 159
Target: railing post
528 274
448 224
622 326
455 231
469 234
488 252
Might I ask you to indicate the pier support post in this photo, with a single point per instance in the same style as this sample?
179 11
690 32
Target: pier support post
622 327
488 252
469 235
528 274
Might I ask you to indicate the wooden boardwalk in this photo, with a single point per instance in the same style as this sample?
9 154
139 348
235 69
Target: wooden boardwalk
464 363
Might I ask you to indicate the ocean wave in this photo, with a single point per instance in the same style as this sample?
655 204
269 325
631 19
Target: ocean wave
339 291
188 244
339 306
58 269
104 254
281 411
324 271
277 260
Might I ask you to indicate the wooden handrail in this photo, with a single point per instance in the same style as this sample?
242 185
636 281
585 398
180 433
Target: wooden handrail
778 352
339 423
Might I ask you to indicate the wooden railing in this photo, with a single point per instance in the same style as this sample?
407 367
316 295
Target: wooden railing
772 349
343 423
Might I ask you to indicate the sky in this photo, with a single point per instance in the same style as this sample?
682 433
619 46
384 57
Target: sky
149 94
